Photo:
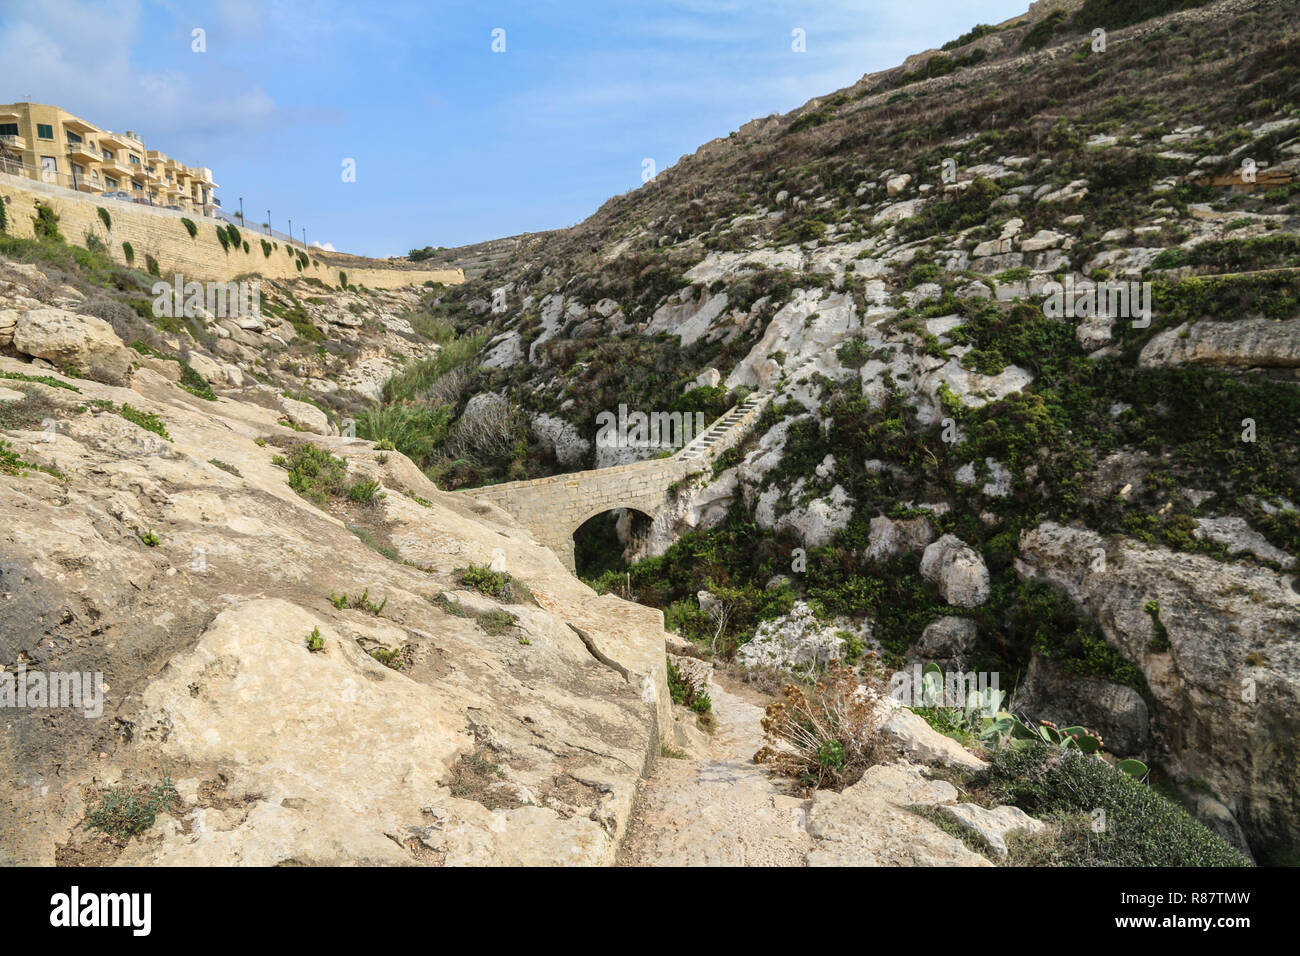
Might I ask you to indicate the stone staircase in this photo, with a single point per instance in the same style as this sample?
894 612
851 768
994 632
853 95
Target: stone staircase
727 430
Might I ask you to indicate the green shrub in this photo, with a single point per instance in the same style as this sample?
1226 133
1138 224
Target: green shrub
236 239
365 492
417 430
1041 33
128 251
359 602
149 421
45 224
494 584
687 694
1142 828
266 249
223 238
123 813
195 384
315 642
190 227
42 379
105 218
4 216
316 474
151 265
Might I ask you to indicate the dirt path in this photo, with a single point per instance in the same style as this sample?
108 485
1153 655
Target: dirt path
721 809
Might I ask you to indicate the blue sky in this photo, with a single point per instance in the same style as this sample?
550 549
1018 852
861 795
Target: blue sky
453 143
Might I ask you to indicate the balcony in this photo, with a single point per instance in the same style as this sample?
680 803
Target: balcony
13 142
117 141
116 167
85 185
79 125
84 149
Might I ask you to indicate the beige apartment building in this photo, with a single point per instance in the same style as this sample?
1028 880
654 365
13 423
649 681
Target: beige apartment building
51 145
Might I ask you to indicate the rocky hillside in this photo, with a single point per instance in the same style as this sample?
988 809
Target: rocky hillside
316 651
1106 502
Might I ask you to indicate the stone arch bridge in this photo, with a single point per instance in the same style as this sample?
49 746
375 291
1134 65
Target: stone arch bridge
554 508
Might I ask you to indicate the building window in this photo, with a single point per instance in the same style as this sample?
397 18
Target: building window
108 154
72 137
78 170
135 160
112 183
44 131
8 129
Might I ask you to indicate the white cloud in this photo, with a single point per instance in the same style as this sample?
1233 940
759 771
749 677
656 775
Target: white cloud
324 246
78 55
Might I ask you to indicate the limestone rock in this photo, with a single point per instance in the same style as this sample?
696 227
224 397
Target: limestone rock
79 341
958 570
1227 624
306 417
890 537
948 639
794 641
921 742
1244 342
561 438
868 824
1116 712
995 825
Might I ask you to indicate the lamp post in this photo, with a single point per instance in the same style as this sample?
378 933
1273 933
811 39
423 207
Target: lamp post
290 232
241 210
72 168
268 222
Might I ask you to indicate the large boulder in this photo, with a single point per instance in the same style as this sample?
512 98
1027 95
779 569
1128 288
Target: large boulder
889 537
75 341
958 570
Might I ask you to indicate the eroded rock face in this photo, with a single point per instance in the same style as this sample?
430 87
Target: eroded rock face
1245 342
1229 679
517 747
1116 712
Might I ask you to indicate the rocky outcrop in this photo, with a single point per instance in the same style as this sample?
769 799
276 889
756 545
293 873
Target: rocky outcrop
1243 343
795 641
992 826
520 745
1226 681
